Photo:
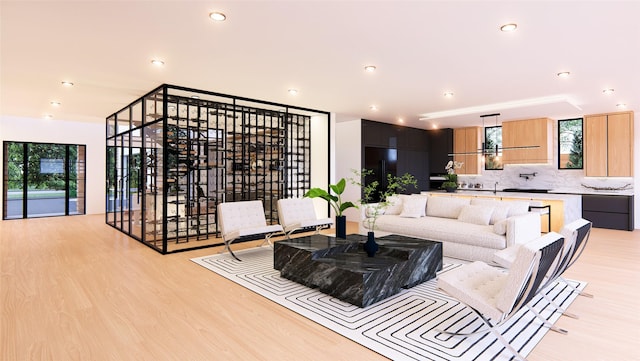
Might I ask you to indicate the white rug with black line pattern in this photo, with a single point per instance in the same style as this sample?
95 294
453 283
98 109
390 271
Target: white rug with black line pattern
402 327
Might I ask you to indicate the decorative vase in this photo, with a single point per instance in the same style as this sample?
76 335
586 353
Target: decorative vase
341 227
370 246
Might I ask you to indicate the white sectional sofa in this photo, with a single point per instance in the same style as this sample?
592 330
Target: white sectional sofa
469 228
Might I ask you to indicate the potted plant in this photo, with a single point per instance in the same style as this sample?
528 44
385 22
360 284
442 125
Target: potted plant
451 178
335 201
373 210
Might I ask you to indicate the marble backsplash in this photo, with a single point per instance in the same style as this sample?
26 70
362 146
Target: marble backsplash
544 176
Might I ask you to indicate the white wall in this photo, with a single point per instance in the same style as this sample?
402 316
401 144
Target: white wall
65 132
347 156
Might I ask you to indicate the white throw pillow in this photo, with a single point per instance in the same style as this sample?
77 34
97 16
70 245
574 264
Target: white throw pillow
500 209
413 207
476 214
446 207
500 227
394 206
517 208
424 211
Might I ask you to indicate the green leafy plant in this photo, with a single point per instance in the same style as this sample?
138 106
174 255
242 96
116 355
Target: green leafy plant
335 201
370 190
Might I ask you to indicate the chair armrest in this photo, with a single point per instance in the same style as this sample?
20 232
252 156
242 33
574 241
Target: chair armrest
523 228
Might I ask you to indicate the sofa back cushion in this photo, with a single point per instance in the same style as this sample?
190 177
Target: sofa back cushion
446 207
500 209
476 214
394 206
414 207
517 208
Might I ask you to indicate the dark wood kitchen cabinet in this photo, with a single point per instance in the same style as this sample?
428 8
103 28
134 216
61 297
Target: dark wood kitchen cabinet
608 211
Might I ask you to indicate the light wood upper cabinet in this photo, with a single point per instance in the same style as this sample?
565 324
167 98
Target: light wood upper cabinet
529 132
608 145
467 140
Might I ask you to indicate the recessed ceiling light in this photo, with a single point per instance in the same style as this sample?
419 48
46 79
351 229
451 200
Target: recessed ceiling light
434 126
373 107
563 74
55 103
195 97
157 62
370 68
448 94
217 16
400 120
621 105
48 116
293 91
509 27
67 83
608 91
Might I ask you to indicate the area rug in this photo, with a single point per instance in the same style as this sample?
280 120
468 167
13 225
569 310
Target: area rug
402 327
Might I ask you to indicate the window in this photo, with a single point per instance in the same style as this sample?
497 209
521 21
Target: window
492 148
42 179
570 143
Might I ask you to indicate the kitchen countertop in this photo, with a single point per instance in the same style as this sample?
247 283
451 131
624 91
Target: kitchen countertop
523 195
571 191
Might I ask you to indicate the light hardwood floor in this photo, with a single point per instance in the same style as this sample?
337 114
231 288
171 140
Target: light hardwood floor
73 288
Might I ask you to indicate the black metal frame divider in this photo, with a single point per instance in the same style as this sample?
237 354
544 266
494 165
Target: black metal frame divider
189 150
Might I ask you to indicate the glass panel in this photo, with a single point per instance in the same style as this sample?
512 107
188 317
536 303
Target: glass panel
111 181
570 144
46 179
111 126
153 107
136 114
13 180
492 146
77 154
135 191
125 180
123 121
153 185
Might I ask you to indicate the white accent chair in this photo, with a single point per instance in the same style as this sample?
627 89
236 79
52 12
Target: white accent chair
244 219
576 235
299 213
494 294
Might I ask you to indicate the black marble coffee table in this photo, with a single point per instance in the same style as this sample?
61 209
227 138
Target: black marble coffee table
341 268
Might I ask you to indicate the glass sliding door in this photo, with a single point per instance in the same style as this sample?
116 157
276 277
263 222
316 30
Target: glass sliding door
43 179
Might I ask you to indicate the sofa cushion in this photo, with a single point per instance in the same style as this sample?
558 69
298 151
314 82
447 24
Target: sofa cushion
442 229
413 207
446 207
394 205
517 208
500 208
424 210
500 227
476 214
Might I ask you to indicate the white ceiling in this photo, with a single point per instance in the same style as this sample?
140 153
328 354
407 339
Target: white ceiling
422 49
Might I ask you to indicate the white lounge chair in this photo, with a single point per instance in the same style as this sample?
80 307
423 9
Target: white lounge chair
494 294
299 213
244 219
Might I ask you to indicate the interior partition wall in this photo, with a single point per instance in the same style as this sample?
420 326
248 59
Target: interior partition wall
176 153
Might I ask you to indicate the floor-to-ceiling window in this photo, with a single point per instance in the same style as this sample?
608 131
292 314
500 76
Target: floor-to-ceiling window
43 179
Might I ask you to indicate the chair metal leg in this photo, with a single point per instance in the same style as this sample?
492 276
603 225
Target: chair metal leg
546 323
558 307
227 247
491 328
574 289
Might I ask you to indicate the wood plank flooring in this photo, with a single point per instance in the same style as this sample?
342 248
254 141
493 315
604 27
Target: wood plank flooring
73 288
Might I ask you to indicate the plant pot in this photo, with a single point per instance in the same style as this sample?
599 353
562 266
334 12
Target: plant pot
370 246
451 189
341 227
